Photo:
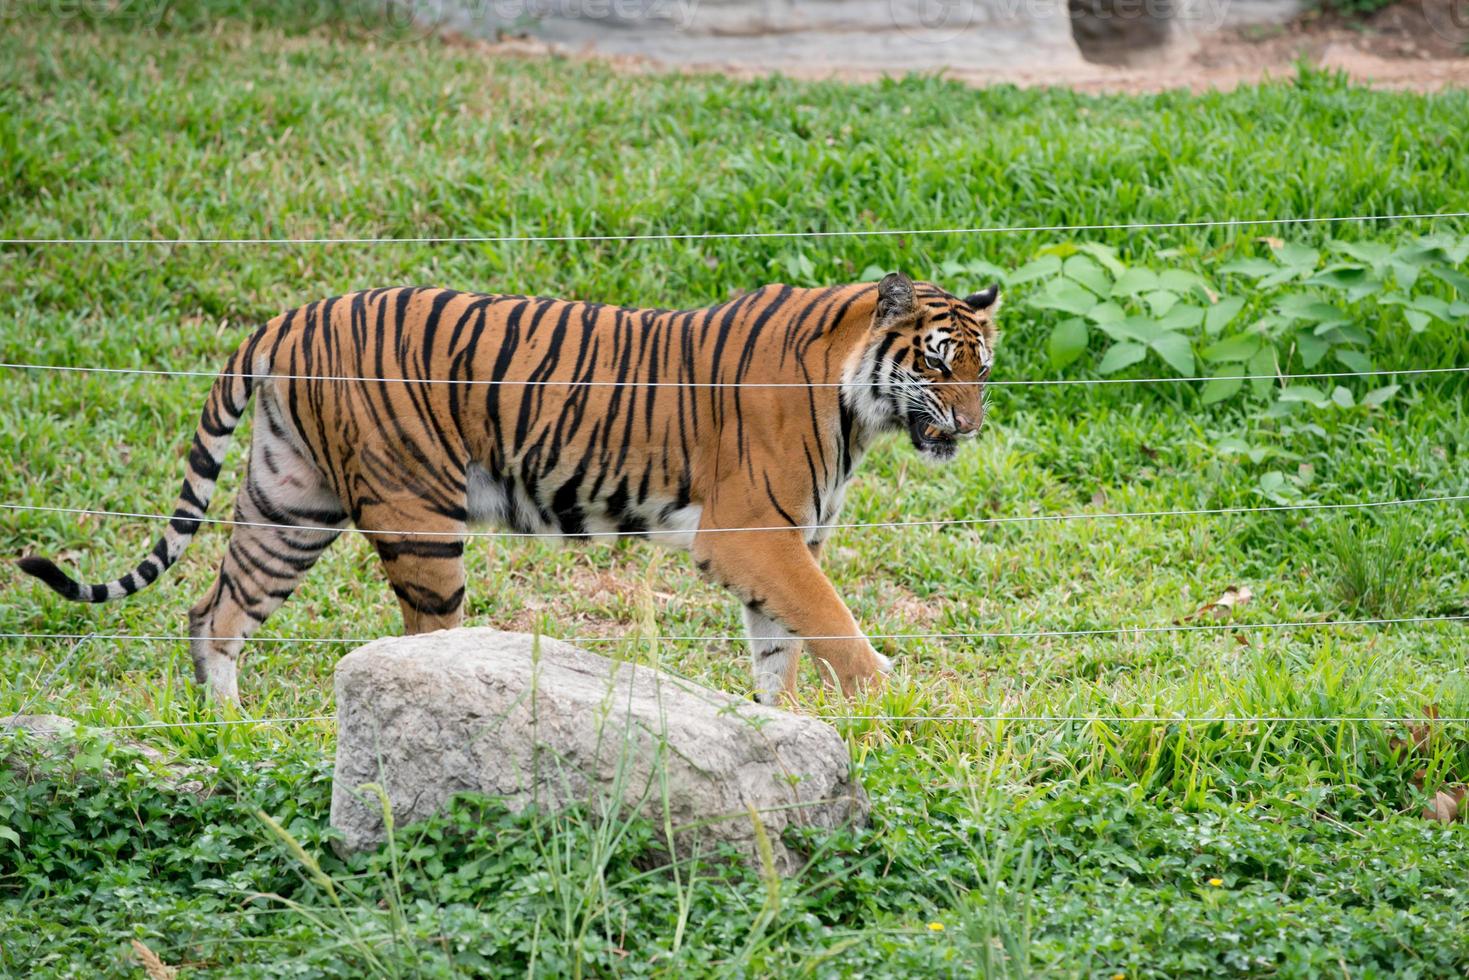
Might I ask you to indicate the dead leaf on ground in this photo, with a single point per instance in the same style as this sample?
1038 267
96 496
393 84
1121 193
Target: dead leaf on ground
1418 736
1272 241
1099 499
1233 598
1447 804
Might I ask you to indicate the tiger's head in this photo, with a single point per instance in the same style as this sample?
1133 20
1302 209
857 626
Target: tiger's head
925 364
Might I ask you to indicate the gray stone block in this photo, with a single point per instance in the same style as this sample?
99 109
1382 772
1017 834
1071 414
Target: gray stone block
545 723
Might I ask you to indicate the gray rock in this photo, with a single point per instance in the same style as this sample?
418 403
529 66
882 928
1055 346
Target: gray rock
479 710
44 725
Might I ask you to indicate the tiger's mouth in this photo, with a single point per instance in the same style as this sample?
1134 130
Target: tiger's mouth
931 440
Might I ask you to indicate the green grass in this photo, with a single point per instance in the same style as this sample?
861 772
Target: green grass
1055 848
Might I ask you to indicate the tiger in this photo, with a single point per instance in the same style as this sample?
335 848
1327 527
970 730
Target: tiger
416 413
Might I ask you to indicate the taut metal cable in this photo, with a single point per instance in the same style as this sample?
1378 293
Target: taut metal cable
587 383
936 522
1113 631
736 235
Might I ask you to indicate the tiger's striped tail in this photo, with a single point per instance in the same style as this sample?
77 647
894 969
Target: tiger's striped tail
222 412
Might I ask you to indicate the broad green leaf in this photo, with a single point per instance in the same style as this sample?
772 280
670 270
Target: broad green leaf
873 273
1342 397
1105 254
1304 393
1284 275
1350 279
1160 301
1353 360
985 272
1417 322
1222 313
1405 273
1142 329
1299 306
1240 347
1121 355
1064 295
1046 265
1218 389
1254 268
1419 254
1181 317
1344 333
952 269
1312 349
1433 306
1379 395
9 834
1068 342
1299 257
1087 272
1454 278
1374 254
1108 312
1181 281
1134 281
1174 348
1263 369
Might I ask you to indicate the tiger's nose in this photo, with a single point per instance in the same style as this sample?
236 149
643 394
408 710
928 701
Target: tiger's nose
965 424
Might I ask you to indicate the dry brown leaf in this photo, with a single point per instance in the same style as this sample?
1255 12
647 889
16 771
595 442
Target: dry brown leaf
1446 804
152 965
1233 598
1418 736
1099 499
1272 241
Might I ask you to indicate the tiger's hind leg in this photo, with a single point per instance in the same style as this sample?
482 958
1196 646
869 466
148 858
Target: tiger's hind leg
289 517
425 567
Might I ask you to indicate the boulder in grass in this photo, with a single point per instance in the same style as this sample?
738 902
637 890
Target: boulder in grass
538 721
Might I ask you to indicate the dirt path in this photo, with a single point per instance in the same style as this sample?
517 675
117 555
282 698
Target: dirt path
1415 45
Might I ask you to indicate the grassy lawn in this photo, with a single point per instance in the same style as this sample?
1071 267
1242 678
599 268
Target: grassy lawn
1112 847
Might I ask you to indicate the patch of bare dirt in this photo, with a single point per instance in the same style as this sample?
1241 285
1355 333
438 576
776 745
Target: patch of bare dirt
1414 45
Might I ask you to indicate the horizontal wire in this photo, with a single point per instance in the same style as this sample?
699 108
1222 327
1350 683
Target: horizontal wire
733 235
651 532
517 383
633 638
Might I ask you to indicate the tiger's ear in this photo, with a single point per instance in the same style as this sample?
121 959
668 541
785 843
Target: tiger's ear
896 298
987 299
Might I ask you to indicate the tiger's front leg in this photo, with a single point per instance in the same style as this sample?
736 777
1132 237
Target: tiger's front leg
788 598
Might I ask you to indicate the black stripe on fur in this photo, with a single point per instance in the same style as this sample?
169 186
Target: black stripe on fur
47 571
